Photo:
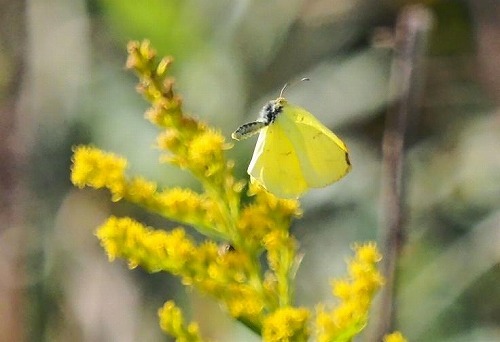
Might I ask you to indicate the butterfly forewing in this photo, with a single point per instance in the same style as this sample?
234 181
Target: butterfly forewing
275 164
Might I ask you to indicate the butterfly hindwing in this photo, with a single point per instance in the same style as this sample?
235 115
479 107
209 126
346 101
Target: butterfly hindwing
322 156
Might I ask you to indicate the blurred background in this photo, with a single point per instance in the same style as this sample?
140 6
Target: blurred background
63 82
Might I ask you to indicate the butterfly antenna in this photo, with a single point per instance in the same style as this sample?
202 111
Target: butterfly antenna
291 84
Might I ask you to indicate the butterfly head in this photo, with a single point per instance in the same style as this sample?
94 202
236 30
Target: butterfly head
267 116
271 110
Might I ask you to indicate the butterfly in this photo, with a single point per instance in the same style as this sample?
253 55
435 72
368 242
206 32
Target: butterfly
294 152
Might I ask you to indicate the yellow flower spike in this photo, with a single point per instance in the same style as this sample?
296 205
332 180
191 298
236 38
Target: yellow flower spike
395 337
198 266
98 169
141 246
172 322
191 144
286 325
355 293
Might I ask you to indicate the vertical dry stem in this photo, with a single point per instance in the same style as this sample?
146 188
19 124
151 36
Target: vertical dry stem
412 25
12 175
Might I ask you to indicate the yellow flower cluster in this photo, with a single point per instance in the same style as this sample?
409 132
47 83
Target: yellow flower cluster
286 324
266 214
154 250
191 144
98 169
260 296
235 277
355 293
225 276
172 322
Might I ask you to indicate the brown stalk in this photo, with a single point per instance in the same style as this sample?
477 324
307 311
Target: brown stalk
412 26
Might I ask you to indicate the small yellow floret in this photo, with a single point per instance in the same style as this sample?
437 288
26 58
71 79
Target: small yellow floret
395 337
140 190
368 253
181 202
286 325
244 301
172 322
206 149
342 289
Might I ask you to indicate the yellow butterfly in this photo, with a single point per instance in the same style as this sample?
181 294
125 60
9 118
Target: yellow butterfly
294 151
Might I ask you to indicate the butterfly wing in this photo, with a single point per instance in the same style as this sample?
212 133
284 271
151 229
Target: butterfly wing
275 165
297 152
322 156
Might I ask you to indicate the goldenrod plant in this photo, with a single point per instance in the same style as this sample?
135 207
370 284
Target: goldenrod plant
228 264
